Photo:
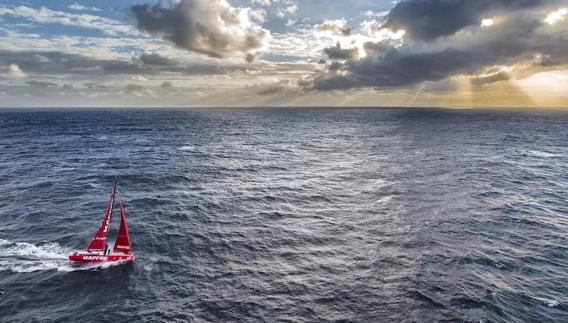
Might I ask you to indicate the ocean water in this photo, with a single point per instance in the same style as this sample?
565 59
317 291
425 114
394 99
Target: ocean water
288 215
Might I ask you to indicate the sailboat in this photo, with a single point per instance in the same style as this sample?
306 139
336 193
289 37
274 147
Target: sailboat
98 249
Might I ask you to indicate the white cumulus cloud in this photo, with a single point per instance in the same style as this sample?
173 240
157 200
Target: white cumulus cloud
211 27
12 71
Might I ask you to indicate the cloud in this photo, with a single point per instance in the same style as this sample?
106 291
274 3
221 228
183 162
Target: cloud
373 14
80 7
251 58
41 84
40 58
155 63
488 79
287 8
262 3
133 87
94 85
285 88
139 78
47 16
11 71
336 52
167 85
334 27
156 59
556 16
382 49
56 63
519 39
430 19
210 27
257 15
399 69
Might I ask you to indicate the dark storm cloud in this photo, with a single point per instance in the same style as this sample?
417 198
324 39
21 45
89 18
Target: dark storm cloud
430 19
402 69
520 36
336 52
381 49
210 27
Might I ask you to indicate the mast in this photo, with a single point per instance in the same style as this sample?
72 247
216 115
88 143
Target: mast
122 243
98 243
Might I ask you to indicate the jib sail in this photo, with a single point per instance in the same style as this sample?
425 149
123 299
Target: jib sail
122 243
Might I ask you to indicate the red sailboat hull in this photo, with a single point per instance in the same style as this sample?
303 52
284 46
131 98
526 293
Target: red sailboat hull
95 258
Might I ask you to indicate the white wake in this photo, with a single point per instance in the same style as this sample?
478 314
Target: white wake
27 257
24 257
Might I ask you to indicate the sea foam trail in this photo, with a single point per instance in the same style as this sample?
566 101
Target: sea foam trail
27 257
24 257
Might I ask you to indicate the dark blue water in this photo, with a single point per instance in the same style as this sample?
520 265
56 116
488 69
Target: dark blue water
288 215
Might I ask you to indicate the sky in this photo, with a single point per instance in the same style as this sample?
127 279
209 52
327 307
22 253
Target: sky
410 53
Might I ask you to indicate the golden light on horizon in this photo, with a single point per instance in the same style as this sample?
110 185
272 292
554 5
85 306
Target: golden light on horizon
546 89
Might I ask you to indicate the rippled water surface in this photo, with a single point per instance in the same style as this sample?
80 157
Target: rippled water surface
288 215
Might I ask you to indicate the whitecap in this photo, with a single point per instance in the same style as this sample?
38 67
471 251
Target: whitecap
187 148
548 302
542 154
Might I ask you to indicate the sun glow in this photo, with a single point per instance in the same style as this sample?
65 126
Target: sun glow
556 16
487 22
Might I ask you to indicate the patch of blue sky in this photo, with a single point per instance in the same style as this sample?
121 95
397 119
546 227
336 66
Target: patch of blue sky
61 4
123 48
47 30
336 9
120 11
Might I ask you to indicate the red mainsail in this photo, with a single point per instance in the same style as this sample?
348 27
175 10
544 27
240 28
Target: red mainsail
98 243
122 243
